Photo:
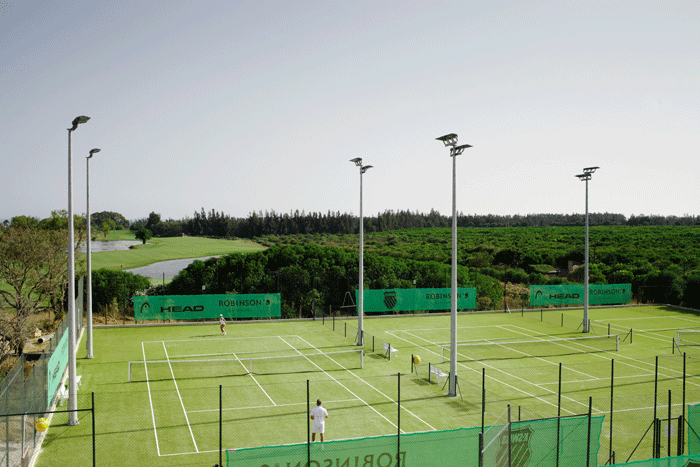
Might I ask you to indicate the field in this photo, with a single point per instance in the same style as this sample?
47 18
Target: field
169 413
167 248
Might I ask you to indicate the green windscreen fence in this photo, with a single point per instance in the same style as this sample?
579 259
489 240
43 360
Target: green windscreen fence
383 300
679 461
694 429
163 307
598 294
533 441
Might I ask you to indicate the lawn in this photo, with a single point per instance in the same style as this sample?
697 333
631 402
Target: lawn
171 416
164 249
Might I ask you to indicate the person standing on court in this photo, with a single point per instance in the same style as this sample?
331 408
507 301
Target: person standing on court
222 325
319 414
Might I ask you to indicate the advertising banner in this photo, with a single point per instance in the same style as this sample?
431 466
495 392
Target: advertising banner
162 307
598 294
57 366
379 301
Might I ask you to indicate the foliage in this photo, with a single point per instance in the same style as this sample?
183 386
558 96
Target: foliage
144 235
110 286
119 221
318 277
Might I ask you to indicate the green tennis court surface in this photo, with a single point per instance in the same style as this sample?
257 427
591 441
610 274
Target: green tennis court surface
187 381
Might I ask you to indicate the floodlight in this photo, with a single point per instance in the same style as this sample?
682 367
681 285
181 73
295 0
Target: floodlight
357 161
93 151
449 140
79 120
364 168
459 150
590 170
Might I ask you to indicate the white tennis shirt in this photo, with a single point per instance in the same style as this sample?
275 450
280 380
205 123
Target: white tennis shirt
319 413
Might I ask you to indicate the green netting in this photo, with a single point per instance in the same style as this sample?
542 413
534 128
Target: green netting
694 429
532 443
452 447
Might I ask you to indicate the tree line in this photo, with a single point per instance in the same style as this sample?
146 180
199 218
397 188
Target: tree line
218 224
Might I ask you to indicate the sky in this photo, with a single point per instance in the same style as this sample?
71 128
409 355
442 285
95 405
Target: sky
254 106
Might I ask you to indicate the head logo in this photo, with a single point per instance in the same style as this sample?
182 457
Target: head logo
538 294
519 445
390 299
144 305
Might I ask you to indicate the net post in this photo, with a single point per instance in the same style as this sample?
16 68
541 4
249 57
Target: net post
128 378
373 344
608 329
429 371
412 363
562 320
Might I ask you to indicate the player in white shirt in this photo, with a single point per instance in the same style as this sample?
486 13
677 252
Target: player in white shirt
222 325
319 414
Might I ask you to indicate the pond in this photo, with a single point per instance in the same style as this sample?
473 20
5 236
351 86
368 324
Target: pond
165 269
109 245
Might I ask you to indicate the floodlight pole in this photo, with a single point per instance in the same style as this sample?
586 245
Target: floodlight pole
451 141
88 343
360 291
72 383
586 176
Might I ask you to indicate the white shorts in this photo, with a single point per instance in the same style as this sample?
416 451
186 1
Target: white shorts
318 427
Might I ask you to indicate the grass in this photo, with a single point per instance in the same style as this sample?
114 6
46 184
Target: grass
164 249
173 418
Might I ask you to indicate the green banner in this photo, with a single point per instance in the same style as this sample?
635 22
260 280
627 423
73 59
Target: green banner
379 301
598 294
57 366
162 307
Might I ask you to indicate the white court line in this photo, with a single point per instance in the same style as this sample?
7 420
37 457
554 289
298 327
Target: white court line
150 399
377 390
517 389
227 340
180 397
341 384
254 407
256 381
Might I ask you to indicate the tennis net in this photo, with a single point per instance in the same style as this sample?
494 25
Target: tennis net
161 370
502 350
688 337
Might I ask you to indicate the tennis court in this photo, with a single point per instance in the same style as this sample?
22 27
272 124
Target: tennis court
175 394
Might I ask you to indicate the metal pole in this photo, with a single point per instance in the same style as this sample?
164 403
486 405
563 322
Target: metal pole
72 384
89 269
585 272
221 427
453 307
360 292
94 456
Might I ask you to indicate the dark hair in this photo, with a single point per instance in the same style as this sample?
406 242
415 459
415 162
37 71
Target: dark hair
318 402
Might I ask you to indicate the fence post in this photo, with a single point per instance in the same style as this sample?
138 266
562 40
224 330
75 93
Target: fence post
559 415
588 443
221 416
398 419
94 455
510 444
481 449
612 385
308 424
668 449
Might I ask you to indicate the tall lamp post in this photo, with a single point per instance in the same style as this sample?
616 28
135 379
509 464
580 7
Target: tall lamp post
586 176
89 261
72 383
451 142
360 294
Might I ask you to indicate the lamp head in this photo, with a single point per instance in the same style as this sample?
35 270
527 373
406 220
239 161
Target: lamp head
448 140
93 151
357 161
456 151
77 121
590 170
365 168
584 176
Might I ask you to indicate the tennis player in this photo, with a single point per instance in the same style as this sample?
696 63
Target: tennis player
222 325
319 414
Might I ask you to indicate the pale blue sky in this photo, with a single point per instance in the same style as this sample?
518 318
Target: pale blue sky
244 106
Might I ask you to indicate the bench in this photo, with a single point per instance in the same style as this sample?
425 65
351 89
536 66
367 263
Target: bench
389 350
439 374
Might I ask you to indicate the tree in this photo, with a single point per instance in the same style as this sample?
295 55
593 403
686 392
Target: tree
107 225
33 268
144 235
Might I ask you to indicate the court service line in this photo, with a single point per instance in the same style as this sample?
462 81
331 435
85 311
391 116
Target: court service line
254 379
341 384
254 407
377 390
150 399
182 404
